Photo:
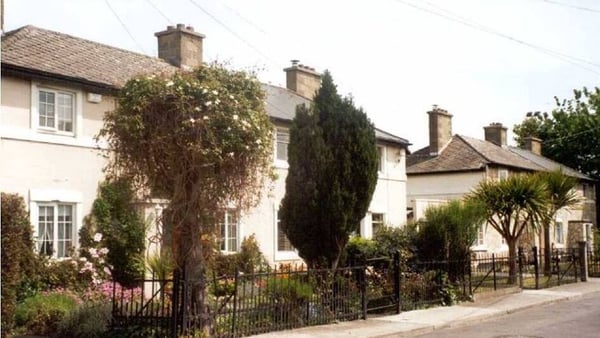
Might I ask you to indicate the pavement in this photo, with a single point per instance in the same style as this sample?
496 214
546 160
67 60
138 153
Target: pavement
413 323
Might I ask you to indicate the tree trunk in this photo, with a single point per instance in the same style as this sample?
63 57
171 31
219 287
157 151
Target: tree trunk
512 260
547 250
195 292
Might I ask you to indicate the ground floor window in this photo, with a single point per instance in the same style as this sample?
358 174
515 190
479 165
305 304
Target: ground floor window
283 242
376 223
480 235
558 232
229 227
55 229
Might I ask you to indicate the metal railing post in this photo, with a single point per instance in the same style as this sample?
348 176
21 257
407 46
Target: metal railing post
397 277
536 267
494 269
520 260
583 260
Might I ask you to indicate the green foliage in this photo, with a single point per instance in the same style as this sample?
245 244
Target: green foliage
65 274
448 231
561 194
160 265
203 141
123 232
292 290
42 313
360 249
568 130
248 260
20 265
512 206
89 320
332 175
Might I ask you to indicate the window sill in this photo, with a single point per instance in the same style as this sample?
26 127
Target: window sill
45 136
281 164
286 256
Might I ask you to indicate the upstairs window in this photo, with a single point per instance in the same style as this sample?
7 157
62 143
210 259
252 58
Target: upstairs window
381 163
56 110
229 227
283 140
55 230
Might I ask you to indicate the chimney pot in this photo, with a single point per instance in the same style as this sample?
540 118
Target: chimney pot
180 26
190 28
170 28
295 62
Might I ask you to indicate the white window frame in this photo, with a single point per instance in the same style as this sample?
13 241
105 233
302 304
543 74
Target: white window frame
502 174
373 223
224 222
54 197
277 229
282 163
77 106
559 225
280 255
382 154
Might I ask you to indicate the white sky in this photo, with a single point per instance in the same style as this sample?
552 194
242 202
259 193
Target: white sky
394 59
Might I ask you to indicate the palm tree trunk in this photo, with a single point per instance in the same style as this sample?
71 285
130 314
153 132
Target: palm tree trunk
547 250
512 260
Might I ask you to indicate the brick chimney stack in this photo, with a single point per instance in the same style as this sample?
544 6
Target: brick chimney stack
495 133
440 129
180 46
303 80
533 144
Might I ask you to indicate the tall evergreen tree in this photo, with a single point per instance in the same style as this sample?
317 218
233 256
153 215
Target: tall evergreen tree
332 176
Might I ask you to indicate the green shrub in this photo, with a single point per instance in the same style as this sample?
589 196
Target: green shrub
90 320
359 249
289 289
248 260
42 313
123 231
20 265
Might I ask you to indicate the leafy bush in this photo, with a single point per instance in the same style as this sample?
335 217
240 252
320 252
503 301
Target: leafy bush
42 313
20 265
289 289
90 320
248 260
123 231
359 249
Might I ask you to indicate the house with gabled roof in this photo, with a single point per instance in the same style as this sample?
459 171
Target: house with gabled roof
452 165
55 91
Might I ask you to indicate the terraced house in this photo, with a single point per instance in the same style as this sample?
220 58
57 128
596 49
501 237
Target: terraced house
55 91
451 165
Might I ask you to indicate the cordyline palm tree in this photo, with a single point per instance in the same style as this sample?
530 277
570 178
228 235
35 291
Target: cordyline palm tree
561 194
511 206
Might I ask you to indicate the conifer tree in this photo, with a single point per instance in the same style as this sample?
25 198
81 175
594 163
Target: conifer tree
332 175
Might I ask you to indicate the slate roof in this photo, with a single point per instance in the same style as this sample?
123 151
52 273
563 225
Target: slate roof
50 52
548 164
43 52
466 154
